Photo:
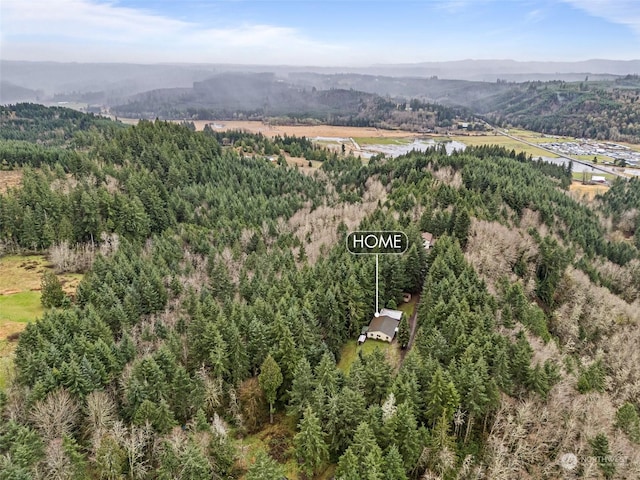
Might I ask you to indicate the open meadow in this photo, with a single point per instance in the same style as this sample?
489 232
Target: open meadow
20 278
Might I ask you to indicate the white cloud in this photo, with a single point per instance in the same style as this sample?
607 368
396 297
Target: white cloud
535 16
83 30
622 12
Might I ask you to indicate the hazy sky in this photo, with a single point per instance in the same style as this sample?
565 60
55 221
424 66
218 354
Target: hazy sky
308 32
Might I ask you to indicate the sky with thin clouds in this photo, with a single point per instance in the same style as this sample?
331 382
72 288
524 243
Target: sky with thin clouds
326 32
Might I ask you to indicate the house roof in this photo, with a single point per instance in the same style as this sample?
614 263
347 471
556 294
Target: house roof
396 314
427 237
384 324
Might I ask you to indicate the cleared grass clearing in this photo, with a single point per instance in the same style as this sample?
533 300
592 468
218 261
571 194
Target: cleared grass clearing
19 274
409 307
20 279
283 428
608 176
350 351
587 192
10 179
24 273
19 307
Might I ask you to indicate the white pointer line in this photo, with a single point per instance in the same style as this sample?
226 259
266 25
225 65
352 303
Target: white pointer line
377 309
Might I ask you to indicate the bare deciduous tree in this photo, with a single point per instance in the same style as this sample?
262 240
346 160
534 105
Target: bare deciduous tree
55 416
67 259
100 415
56 464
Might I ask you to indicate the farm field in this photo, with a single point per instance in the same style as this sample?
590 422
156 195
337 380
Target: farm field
297 130
367 136
501 140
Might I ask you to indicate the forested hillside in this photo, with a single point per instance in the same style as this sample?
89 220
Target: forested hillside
598 110
208 336
232 96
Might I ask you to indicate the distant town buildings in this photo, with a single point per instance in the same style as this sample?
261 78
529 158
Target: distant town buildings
596 149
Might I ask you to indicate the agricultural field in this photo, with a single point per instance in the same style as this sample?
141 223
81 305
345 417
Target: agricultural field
503 141
308 131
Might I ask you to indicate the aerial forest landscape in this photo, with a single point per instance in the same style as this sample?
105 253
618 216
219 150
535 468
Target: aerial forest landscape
190 194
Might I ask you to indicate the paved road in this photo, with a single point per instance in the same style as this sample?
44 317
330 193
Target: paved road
537 145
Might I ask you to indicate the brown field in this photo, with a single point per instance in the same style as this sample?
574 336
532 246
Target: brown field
308 130
297 130
9 179
587 192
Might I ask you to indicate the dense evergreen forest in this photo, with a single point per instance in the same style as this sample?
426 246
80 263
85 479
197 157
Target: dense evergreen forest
219 298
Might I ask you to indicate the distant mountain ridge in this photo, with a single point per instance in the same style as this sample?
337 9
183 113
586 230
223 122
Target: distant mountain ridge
55 78
490 70
593 98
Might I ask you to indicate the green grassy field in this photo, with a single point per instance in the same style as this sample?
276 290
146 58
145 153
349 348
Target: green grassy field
20 307
578 176
350 352
409 307
20 278
536 137
589 158
382 140
501 140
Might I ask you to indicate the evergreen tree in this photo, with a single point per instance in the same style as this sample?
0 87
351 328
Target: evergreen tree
264 468
461 224
346 411
311 449
110 459
442 397
402 431
348 467
373 465
628 420
327 373
393 465
413 269
403 332
302 388
600 450
51 288
270 379
363 441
